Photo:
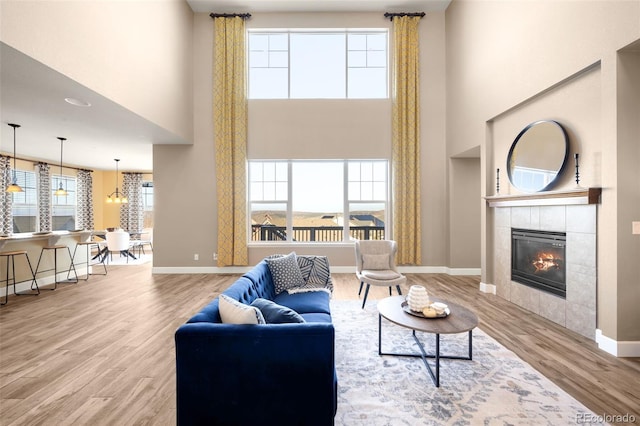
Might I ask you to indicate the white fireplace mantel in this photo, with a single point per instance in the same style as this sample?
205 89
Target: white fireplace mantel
579 196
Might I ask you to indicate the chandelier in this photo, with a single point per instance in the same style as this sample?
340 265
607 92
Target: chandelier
61 190
14 187
116 197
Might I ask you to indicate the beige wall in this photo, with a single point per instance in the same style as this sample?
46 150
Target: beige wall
464 217
112 47
510 63
628 270
184 177
297 129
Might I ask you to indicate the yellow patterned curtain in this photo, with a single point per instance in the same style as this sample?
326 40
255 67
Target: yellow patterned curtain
230 122
406 140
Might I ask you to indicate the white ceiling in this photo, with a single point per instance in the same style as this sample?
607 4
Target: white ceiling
32 95
231 6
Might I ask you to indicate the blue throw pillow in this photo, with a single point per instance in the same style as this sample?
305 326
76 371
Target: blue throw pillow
276 314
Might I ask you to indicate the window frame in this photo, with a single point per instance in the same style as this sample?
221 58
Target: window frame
347 200
55 182
348 67
21 178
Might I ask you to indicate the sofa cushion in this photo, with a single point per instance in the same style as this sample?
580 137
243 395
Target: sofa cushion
276 314
234 312
285 272
306 302
316 317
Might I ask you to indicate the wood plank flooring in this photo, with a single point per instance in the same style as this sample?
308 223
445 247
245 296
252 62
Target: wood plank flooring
101 352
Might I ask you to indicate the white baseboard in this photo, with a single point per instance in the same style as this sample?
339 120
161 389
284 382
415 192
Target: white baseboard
334 269
487 288
402 269
620 349
200 269
25 286
464 271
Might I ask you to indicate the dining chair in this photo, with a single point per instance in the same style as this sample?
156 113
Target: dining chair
118 242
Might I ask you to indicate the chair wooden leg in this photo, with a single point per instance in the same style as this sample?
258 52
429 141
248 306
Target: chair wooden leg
366 292
399 292
360 291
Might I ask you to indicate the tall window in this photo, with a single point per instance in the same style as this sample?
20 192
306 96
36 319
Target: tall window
24 207
315 64
368 191
63 207
269 200
318 201
147 204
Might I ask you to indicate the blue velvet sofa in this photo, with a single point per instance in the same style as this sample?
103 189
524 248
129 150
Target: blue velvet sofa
264 374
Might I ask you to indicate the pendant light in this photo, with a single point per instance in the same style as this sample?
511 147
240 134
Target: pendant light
60 190
14 187
117 197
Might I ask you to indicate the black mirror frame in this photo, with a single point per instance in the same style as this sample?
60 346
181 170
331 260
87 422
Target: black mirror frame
564 160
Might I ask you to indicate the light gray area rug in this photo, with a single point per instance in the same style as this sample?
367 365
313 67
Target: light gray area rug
495 388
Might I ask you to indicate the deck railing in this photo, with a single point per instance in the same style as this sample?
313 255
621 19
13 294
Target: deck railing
315 233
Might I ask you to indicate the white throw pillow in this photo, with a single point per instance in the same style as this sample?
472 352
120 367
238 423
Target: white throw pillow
234 312
375 261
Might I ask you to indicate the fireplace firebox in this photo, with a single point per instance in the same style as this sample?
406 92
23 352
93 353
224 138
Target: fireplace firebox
538 260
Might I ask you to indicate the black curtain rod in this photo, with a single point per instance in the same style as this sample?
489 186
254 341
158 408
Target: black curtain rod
57 165
230 15
50 164
392 15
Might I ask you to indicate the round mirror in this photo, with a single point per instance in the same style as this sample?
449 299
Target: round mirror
537 156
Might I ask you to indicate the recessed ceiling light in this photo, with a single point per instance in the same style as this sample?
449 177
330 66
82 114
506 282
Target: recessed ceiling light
77 102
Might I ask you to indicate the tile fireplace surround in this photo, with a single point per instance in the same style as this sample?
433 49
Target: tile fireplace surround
578 311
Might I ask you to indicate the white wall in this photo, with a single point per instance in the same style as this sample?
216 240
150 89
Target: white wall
136 53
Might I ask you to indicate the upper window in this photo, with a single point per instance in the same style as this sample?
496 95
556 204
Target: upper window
317 64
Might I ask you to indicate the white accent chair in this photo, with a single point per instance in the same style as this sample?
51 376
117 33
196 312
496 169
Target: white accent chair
118 241
376 265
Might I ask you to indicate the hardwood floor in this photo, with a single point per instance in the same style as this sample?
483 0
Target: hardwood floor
101 352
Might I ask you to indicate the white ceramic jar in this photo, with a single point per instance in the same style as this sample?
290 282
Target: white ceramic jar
418 298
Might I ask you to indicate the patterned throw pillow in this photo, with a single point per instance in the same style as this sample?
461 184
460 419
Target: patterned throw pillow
285 272
276 314
234 312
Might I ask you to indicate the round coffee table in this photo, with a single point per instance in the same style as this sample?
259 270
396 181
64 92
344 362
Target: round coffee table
459 320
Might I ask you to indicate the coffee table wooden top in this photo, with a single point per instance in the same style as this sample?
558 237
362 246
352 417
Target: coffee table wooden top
459 320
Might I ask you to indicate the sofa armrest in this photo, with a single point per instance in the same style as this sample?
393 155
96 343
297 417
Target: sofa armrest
251 374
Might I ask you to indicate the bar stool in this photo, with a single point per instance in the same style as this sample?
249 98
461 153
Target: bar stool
55 264
87 245
12 255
